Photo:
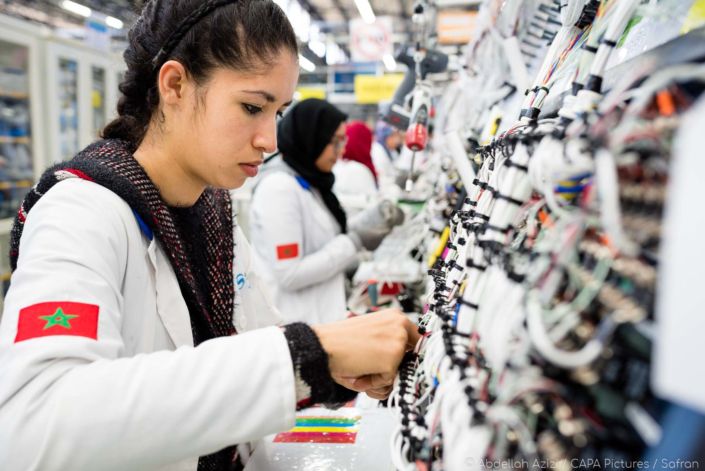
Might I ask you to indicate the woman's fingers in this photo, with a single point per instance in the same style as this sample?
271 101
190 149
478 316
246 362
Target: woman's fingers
376 382
368 345
380 394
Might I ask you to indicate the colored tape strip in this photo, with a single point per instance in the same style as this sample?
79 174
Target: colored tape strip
339 420
327 422
299 429
313 437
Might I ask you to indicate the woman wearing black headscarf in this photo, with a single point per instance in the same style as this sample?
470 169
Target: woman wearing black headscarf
299 230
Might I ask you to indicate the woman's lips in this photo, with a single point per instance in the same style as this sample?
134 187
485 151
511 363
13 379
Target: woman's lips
250 169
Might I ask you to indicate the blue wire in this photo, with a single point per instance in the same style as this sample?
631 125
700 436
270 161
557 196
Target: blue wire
569 189
577 178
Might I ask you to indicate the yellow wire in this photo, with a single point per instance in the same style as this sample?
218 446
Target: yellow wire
441 245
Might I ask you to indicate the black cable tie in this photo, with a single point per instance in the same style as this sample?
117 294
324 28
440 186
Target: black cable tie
609 42
496 228
546 89
482 216
576 88
590 48
594 83
471 264
509 199
515 277
530 44
469 304
521 167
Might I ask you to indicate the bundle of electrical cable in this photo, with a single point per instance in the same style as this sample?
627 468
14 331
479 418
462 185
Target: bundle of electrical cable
538 311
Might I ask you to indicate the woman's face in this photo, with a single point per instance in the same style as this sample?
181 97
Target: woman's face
394 140
333 151
226 125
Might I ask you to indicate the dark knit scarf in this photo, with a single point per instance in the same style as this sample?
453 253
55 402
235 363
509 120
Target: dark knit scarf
197 240
302 134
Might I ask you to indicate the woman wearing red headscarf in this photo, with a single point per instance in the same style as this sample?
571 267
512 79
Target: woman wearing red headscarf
355 173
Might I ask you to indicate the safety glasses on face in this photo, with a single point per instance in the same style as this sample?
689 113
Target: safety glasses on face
338 142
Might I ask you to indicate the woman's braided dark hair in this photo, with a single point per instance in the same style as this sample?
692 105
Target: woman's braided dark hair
242 35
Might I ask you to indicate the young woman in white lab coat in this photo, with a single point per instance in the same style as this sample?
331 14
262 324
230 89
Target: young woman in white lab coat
300 232
117 342
355 174
385 151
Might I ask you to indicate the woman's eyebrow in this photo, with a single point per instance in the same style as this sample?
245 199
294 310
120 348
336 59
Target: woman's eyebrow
266 95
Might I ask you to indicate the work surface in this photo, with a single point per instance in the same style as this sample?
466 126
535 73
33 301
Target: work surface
347 439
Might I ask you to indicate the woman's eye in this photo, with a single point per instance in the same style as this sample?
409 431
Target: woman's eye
251 109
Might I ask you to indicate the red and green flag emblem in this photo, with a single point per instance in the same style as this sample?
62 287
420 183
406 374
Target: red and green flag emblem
57 318
287 251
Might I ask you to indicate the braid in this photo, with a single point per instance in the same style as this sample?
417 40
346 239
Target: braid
139 97
177 35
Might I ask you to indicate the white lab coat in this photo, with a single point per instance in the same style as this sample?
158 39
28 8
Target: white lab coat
353 178
309 286
140 396
384 164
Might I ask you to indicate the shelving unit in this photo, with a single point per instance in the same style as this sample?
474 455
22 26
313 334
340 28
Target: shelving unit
55 96
84 83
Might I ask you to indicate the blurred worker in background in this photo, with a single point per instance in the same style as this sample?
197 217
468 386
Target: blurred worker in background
300 232
355 173
385 150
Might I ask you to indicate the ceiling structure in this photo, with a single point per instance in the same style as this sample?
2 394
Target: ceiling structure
341 11
331 17
124 10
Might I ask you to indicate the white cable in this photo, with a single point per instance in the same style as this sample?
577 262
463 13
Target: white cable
610 214
563 358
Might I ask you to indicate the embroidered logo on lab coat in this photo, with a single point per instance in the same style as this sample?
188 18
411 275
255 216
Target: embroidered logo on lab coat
240 281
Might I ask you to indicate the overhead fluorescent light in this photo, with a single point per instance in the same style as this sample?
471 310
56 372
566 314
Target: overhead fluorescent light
318 48
306 64
365 9
389 62
334 54
113 22
76 8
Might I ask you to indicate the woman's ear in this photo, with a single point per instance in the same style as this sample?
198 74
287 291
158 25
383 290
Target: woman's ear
172 82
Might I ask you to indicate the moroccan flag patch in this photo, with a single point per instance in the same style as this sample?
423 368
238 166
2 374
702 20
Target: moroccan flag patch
287 251
57 318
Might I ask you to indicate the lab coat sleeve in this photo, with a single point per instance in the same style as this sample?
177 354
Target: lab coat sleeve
279 211
72 402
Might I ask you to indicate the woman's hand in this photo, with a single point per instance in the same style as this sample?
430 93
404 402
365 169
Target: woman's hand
364 352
